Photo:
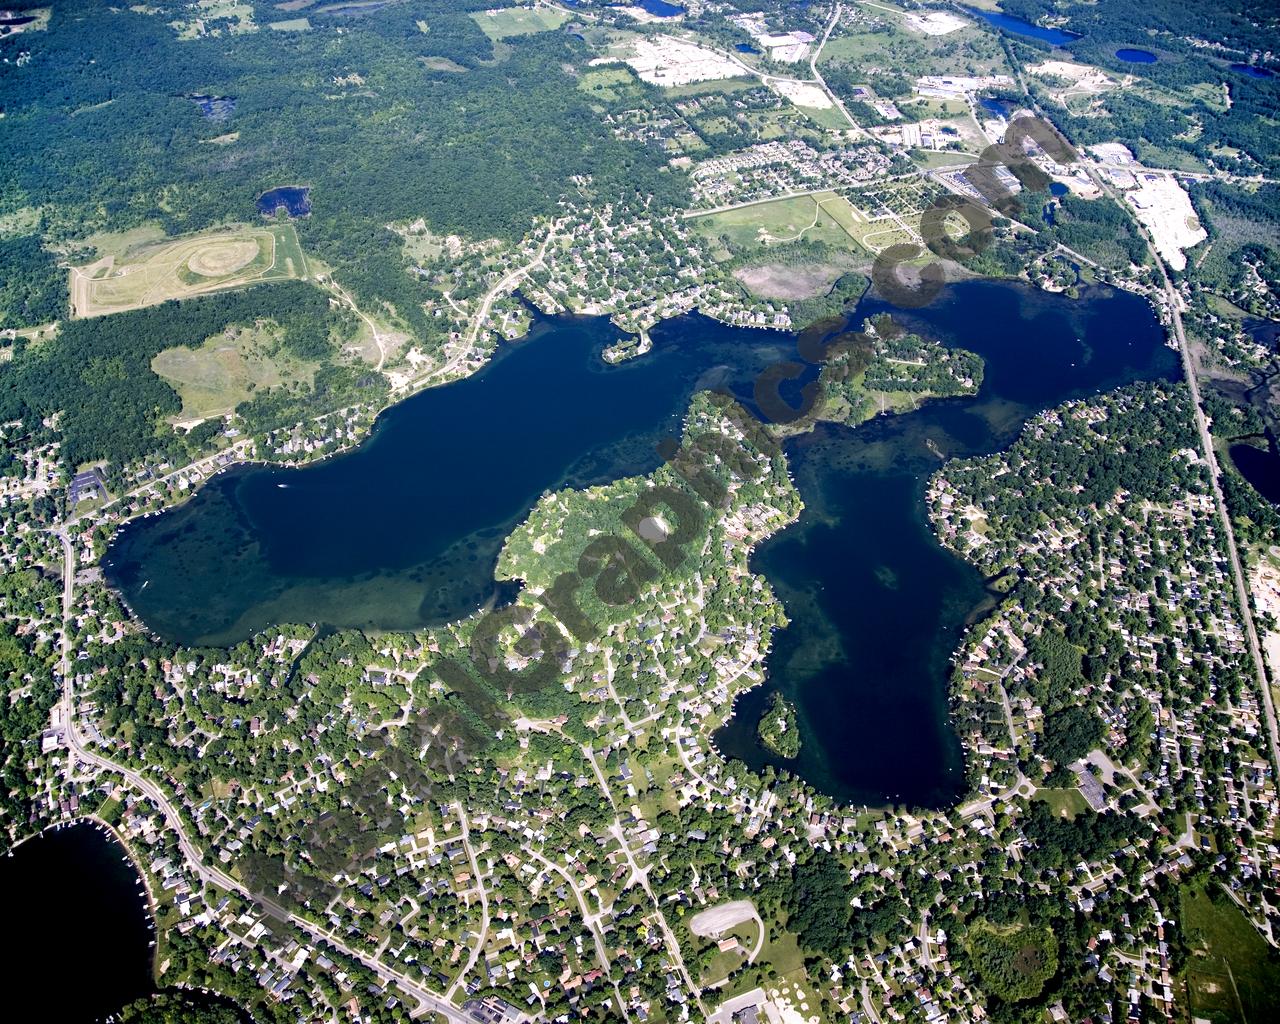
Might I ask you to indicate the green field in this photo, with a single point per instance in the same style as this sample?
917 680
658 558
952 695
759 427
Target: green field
1232 974
782 220
821 217
141 271
518 21
930 159
610 84
227 369
1065 803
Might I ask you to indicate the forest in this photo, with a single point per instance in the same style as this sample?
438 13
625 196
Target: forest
99 133
32 288
98 375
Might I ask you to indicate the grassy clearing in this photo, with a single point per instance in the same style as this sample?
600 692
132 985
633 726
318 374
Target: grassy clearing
290 25
726 85
22 221
518 21
139 271
824 117
820 217
215 12
228 368
1065 803
930 159
1232 974
443 64
968 51
610 84
788 281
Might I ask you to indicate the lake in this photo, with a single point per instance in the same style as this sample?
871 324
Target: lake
1261 467
405 530
877 606
1253 71
84 925
1022 27
293 199
1132 56
1000 108
661 9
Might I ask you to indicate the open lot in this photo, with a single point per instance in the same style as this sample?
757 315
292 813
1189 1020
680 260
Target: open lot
518 21
1232 974
227 369
789 281
811 217
610 84
154 271
717 920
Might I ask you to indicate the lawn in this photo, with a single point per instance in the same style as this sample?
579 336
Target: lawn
227 369
822 217
1232 974
518 21
929 159
610 84
1065 803
141 271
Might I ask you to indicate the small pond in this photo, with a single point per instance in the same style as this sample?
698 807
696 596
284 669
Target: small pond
1253 71
1131 56
215 108
662 9
293 199
1261 467
1022 27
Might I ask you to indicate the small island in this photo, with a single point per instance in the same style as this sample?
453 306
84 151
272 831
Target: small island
778 730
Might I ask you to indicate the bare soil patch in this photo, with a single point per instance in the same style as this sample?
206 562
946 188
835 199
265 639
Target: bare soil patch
222 258
789 281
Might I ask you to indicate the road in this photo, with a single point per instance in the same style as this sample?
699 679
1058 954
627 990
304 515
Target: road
484 904
817 75
641 875
1172 300
329 282
1224 518
482 314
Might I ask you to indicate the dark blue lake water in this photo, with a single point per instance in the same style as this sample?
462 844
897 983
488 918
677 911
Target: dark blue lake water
1131 56
293 199
1001 108
1253 71
661 9
215 108
84 925
1022 27
1261 467
876 605
406 530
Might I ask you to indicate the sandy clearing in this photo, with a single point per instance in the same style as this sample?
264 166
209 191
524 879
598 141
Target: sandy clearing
802 94
783 281
719 919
